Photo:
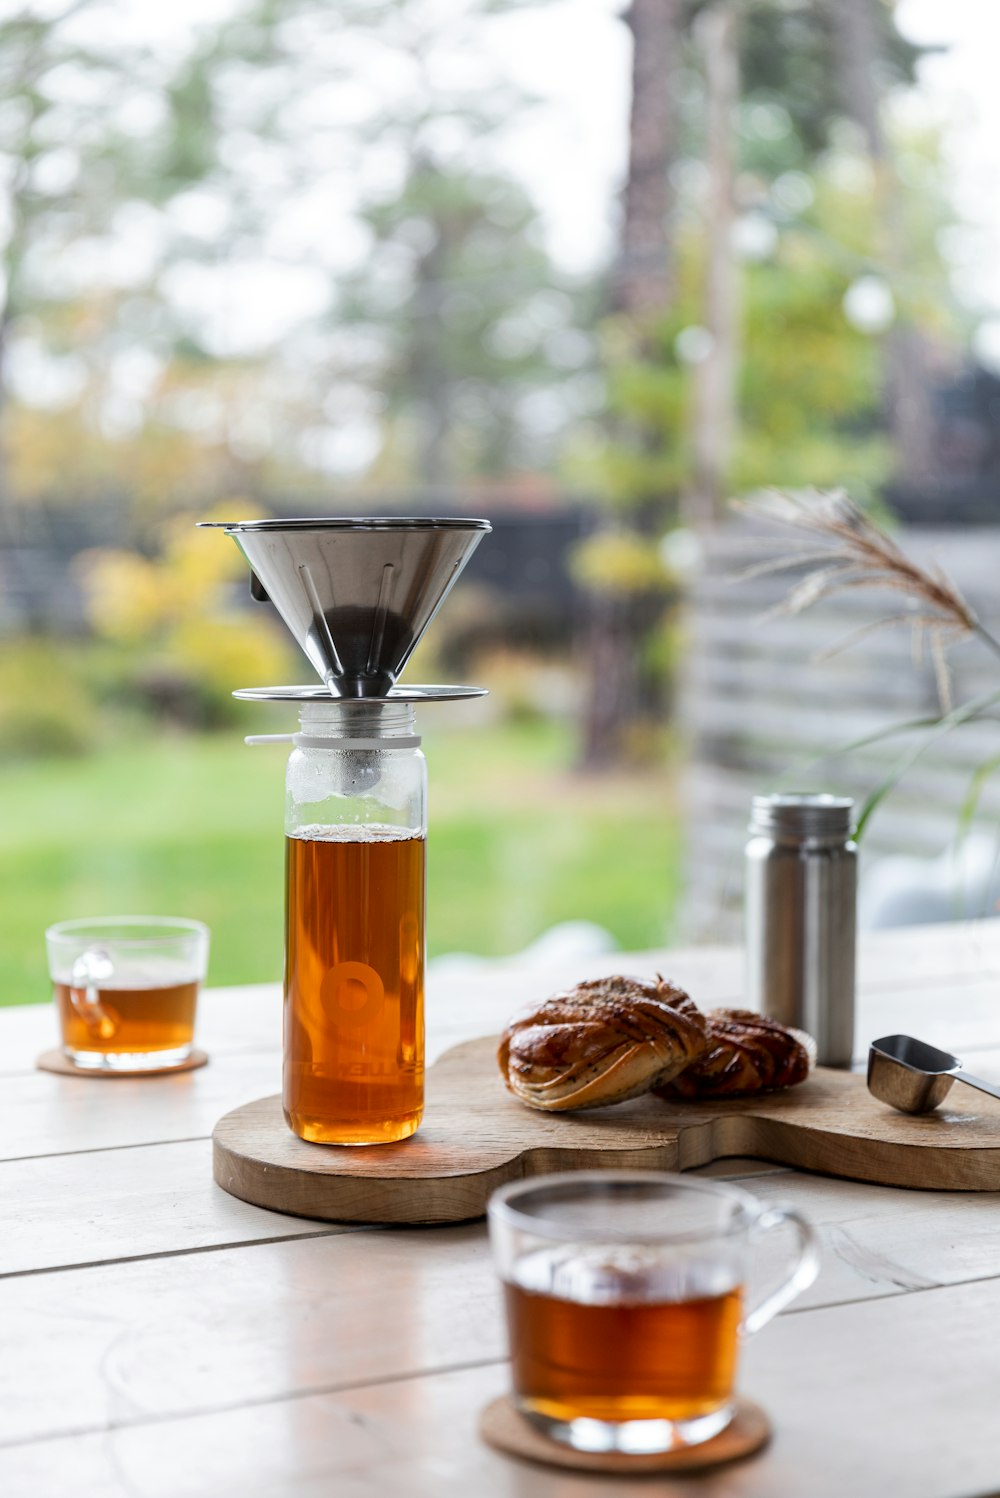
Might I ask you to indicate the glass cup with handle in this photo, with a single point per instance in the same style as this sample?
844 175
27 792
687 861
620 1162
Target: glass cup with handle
126 988
626 1302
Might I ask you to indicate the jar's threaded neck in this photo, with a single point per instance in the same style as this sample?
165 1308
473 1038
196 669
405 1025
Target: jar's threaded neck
357 719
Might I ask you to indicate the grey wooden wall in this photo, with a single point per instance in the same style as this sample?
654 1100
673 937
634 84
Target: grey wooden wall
760 711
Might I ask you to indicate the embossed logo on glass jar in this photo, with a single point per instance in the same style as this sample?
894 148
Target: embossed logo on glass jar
352 993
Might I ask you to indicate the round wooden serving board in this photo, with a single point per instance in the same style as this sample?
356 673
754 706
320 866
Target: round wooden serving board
475 1136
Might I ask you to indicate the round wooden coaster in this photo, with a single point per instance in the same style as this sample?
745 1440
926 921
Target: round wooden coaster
502 1427
57 1061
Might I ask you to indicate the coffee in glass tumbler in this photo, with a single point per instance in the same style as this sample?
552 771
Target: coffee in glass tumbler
126 989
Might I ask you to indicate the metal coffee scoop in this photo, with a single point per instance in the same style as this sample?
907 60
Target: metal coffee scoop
916 1077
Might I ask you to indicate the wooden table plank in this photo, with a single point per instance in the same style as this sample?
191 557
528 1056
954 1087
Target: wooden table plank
953 950
231 1021
44 1114
957 1017
885 1397
945 959
125 1204
916 956
233 1350
131 1342
41 1114
962 1017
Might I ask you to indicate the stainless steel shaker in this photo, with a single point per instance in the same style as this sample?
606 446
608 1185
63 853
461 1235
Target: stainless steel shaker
800 904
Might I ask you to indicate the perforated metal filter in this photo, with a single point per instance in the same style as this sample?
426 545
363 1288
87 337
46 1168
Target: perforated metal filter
357 593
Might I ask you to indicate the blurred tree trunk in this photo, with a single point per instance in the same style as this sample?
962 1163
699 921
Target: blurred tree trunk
12 269
857 51
715 412
641 287
642 275
431 374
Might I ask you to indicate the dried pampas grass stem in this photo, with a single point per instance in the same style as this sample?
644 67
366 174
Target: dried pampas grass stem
846 549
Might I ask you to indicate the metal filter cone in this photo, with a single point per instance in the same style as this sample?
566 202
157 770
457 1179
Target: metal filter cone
358 593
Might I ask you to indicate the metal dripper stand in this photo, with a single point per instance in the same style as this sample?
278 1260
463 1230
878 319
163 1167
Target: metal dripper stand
357 595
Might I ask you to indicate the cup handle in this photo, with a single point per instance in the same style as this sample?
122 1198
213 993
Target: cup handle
90 970
802 1273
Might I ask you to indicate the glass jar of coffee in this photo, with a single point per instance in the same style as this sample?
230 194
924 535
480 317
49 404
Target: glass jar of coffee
356 837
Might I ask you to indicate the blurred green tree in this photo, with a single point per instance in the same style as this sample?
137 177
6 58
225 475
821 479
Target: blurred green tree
183 643
747 370
470 324
55 93
445 341
418 333
624 582
102 136
464 337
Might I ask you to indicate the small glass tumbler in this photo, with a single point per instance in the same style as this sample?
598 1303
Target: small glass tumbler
125 988
625 1296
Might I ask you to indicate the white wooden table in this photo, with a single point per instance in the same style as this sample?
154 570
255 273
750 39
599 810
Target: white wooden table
159 1339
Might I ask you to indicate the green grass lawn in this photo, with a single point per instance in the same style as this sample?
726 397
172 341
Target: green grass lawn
193 826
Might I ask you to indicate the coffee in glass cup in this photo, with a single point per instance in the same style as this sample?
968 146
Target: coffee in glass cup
126 989
626 1302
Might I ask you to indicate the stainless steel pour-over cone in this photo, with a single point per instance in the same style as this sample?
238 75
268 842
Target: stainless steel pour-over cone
357 593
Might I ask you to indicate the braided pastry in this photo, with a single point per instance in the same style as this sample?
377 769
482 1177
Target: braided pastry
601 1042
746 1053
